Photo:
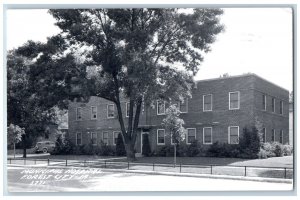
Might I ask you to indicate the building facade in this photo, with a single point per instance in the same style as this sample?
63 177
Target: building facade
218 111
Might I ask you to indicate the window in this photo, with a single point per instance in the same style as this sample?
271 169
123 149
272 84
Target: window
207 135
160 136
105 137
78 113
273 104
127 109
281 107
78 139
93 112
110 111
233 135
281 137
191 135
183 106
273 135
94 138
207 102
160 107
234 100
264 135
116 134
264 102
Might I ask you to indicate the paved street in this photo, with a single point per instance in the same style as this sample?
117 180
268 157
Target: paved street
54 180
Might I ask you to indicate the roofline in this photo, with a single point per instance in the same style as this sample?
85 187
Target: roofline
243 75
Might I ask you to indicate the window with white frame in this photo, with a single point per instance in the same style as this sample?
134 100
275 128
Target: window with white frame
93 112
273 135
207 135
273 104
281 108
183 105
207 102
116 134
191 135
78 139
233 134
127 109
264 102
94 138
79 113
160 136
281 137
105 137
161 106
110 111
264 135
234 100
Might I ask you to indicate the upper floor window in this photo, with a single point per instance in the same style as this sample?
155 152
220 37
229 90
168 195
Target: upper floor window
94 138
207 135
78 138
110 111
273 104
264 102
273 135
191 135
161 106
116 134
207 102
281 107
79 113
264 135
93 112
105 137
160 136
127 109
234 100
233 134
183 105
281 137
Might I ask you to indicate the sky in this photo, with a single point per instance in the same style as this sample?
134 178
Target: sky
256 40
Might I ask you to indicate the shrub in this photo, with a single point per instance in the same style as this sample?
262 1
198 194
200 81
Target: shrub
249 143
120 148
214 150
193 149
106 150
287 150
269 148
62 147
146 146
278 149
262 154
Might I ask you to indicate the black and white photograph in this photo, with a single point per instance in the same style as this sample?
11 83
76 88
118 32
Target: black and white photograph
183 98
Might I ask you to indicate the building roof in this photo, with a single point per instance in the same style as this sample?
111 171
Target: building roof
237 76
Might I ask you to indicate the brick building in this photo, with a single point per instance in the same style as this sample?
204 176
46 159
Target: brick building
218 111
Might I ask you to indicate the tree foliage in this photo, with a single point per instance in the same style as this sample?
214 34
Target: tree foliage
140 54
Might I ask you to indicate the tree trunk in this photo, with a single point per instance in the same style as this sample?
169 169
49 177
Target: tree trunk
24 145
14 150
130 152
175 155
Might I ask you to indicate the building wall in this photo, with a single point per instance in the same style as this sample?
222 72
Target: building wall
250 87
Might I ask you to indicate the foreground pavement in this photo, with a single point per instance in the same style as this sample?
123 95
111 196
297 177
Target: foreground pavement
30 179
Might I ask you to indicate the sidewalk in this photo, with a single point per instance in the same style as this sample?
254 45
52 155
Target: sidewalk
166 173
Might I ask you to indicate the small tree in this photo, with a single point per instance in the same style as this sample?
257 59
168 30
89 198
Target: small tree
174 124
120 147
15 135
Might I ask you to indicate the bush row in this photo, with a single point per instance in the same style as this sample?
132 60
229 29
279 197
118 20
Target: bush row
66 147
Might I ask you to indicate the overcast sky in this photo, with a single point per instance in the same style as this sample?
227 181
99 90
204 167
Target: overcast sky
257 40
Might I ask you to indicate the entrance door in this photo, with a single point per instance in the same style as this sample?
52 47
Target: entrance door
144 135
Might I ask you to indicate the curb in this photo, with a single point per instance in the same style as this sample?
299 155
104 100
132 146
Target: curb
183 174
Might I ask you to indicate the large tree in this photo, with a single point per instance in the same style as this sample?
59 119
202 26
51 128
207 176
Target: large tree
139 54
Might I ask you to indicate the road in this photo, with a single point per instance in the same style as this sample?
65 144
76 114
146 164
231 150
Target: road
70 180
